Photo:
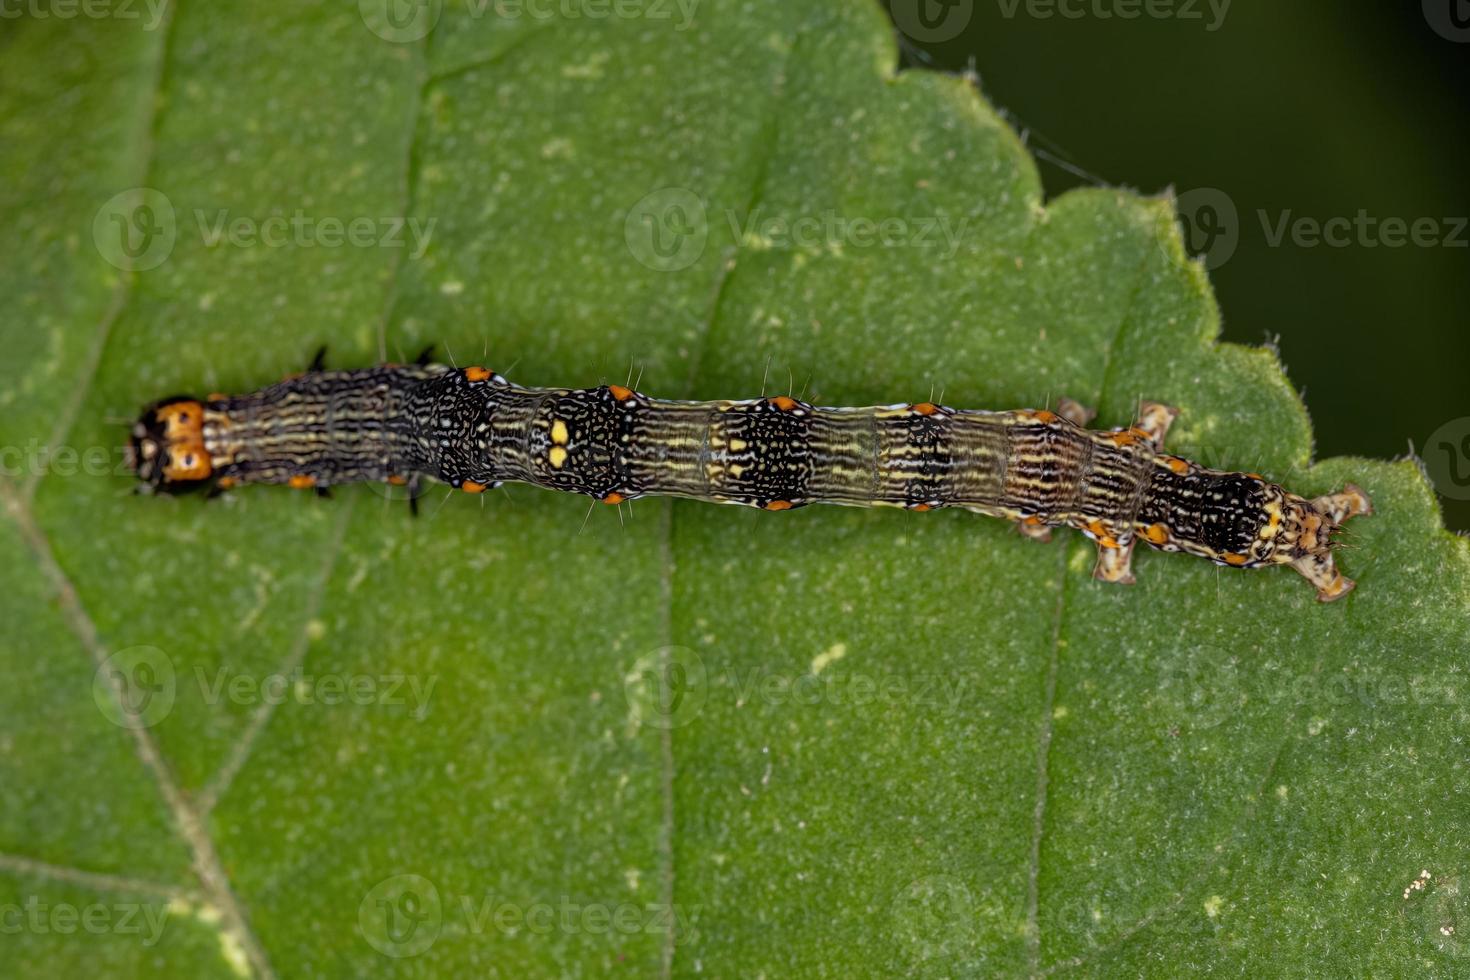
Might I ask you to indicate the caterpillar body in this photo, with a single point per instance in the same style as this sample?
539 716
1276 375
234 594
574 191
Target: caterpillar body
474 430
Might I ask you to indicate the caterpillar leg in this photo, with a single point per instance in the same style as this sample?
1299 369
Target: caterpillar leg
1321 571
1036 532
1114 563
1318 566
1154 421
1351 502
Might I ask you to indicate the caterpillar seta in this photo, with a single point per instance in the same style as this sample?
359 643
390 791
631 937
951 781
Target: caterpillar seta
474 430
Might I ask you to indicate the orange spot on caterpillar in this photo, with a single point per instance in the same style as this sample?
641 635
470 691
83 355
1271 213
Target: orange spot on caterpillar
1033 521
784 403
398 481
1180 466
921 508
478 374
470 486
227 483
614 498
1128 438
779 505
924 408
1256 476
620 393
215 396
1156 534
1109 542
1233 559
1044 416
301 481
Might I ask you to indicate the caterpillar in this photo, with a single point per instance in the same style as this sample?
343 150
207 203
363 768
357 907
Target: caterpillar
474 430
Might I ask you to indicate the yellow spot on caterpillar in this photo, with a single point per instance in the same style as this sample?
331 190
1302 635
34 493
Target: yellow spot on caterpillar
470 486
831 655
301 481
620 393
779 505
477 374
558 456
559 434
738 445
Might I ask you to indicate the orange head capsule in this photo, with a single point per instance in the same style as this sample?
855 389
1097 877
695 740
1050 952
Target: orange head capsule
166 446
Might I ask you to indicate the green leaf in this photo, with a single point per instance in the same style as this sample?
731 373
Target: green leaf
703 740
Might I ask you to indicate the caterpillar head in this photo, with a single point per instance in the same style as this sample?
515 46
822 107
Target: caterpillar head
166 449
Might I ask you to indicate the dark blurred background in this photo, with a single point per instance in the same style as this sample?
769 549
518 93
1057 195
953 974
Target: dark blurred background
1269 116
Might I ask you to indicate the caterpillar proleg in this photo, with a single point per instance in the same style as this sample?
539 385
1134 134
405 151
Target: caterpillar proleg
474 430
